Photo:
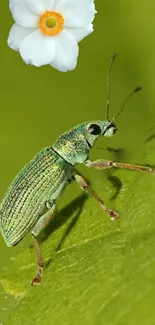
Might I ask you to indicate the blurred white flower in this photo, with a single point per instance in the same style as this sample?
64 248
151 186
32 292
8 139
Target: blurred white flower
47 31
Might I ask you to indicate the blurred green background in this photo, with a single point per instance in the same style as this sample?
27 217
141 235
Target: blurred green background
101 272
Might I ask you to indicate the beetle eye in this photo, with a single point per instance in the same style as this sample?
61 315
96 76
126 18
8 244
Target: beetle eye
94 129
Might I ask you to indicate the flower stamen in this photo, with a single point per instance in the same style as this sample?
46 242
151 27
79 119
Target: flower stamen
51 23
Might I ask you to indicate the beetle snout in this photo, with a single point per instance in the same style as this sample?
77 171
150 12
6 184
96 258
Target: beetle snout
110 130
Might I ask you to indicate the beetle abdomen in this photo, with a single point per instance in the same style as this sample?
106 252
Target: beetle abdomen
41 180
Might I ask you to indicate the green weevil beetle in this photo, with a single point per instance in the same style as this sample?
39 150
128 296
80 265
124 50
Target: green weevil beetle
42 180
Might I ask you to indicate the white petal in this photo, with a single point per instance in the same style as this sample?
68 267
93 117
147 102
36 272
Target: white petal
17 34
66 53
80 32
56 4
77 13
37 49
15 2
39 6
22 14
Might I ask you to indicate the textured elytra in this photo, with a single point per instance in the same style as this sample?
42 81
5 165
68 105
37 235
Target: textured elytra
39 181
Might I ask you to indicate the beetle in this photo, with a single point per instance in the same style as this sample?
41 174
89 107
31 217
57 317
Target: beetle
42 180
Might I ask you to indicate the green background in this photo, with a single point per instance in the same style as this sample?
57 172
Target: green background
97 271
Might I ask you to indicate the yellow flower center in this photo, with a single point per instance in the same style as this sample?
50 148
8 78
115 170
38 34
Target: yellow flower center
51 23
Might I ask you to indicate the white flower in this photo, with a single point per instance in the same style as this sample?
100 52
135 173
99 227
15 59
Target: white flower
47 31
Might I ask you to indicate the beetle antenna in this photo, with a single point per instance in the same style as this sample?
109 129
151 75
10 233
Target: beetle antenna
108 84
126 100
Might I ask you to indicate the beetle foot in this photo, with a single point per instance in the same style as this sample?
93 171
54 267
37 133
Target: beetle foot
113 214
36 281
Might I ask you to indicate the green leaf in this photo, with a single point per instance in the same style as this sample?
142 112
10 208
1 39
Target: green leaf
97 271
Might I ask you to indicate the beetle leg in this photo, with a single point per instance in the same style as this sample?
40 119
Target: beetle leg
37 279
39 226
104 164
85 187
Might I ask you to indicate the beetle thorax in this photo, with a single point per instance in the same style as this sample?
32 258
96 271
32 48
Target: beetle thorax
72 147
